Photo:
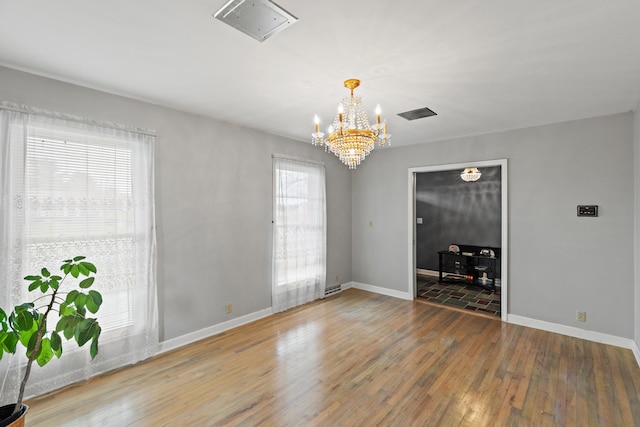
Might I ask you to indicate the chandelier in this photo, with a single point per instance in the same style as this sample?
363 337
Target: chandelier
351 137
470 174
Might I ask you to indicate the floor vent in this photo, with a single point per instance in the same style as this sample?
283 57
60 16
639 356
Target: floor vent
333 290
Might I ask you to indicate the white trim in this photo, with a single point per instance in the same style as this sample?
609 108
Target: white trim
347 285
636 352
424 272
504 259
577 333
380 290
192 337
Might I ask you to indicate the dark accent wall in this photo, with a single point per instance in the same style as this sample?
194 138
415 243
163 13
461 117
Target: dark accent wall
455 211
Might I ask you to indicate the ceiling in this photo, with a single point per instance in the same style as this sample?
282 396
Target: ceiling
481 66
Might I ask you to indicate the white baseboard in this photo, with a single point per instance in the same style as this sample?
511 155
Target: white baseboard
424 272
636 351
379 290
192 337
577 333
526 321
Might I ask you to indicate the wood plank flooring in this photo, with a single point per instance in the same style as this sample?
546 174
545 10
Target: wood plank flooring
361 359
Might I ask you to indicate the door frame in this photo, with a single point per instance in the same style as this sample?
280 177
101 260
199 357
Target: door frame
504 259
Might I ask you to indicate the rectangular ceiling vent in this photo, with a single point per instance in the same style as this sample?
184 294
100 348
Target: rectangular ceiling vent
417 114
259 19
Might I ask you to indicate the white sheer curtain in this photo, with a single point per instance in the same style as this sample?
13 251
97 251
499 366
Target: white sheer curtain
299 234
70 186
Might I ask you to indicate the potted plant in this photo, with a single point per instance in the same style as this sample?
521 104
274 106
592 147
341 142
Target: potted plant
27 324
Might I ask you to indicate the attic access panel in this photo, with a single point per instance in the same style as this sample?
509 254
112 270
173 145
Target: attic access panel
259 19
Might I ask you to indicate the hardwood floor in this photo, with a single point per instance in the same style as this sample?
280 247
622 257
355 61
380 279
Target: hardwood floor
361 359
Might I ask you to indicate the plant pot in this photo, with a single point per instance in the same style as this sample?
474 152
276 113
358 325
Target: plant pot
8 420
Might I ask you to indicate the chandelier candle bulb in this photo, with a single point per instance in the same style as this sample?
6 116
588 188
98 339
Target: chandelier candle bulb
316 119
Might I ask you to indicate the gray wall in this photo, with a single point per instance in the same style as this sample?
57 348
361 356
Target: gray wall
455 211
213 201
558 263
213 194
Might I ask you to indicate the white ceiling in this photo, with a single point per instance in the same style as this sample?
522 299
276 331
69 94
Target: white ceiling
483 66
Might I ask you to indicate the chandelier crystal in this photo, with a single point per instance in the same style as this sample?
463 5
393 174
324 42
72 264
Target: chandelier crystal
470 174
351 137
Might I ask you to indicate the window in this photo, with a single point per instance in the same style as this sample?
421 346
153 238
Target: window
299 248
73 187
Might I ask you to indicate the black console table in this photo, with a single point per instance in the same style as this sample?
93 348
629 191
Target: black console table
468 265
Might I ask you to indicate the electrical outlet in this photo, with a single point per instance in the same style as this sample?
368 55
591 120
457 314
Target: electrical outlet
229 308
581 316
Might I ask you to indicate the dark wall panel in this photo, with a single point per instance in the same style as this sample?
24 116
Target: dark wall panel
455 211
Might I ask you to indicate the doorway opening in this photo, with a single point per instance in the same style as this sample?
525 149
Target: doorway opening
458 253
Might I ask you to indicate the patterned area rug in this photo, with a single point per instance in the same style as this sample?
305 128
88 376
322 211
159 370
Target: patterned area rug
468 297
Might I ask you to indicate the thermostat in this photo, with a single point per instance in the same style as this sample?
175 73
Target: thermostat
587 210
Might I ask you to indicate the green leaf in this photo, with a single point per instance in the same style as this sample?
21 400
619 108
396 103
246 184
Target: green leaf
62 323
66 268
89 266
45 354
71 296
83 270
75 271
96 297
35 285
44 287
32 278
65 310
93 350
54 284
86 283
86 330
56 344
22 320
80 301
58 278
10 342
91 306
45 272
67 325
26 306
78 258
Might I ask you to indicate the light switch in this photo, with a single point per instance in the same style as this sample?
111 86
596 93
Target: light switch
419 220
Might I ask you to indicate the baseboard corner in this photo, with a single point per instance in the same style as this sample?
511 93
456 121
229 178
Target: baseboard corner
577 333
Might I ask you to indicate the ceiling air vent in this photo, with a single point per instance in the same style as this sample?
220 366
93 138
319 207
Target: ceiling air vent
259 19
417 114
